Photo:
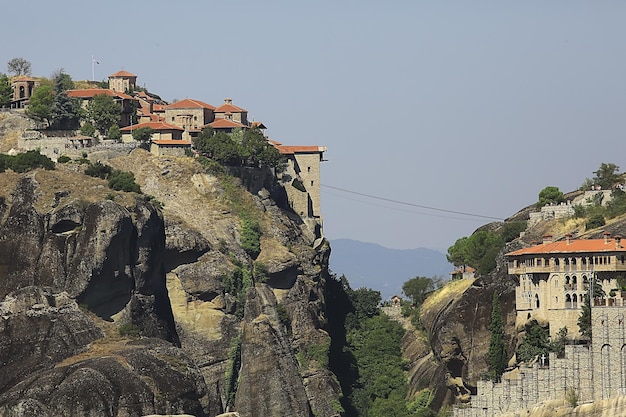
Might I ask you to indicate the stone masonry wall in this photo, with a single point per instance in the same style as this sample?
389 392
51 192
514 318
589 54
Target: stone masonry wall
594 372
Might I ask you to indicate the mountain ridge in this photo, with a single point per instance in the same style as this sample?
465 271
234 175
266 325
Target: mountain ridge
365 263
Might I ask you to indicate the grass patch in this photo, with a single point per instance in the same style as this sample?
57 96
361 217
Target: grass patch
451 290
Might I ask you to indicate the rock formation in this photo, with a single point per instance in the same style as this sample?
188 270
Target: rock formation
121 304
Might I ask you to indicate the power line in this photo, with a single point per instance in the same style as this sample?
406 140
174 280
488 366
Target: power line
411 204
405 210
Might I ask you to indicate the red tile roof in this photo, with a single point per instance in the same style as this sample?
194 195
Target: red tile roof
259 125
189 104
230 108
91 92
158 107
290 150
226 124
152 125
172 142
574 246
123 74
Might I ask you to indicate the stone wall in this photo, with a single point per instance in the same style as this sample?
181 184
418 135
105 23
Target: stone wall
590 373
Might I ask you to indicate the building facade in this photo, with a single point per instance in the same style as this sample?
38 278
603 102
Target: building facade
555 276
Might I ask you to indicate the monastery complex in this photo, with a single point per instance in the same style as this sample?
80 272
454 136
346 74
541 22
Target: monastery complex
553 279
174 126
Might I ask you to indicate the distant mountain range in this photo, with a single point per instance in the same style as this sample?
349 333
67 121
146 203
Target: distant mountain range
383 269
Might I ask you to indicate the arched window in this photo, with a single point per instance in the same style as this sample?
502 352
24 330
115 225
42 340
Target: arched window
568 301
536 301
567 280
22 91
574 301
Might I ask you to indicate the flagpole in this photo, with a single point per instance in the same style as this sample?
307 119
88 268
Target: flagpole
93 70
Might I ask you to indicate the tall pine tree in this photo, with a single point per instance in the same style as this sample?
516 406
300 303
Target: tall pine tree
498 357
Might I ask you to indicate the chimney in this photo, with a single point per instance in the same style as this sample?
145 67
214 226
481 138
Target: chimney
618 242
547 239
607 235
568 238
228 101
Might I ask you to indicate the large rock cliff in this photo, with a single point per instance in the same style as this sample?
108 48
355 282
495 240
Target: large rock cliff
125 305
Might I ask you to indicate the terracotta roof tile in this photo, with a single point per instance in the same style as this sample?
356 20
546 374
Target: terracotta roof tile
189 104
122 74
574 246
226 124
152 125
290 150
230 108
91 92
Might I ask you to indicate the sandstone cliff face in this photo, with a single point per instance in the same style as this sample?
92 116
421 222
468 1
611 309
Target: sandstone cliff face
75 266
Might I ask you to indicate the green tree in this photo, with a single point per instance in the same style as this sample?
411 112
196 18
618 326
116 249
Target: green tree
65 110
40 104
221 148
584 320
536 342
143 135
114 133
6 92
62 80
550 195
418 288
596 220
258 151
457 253
104 112
498 357
19 66
607 176
87 129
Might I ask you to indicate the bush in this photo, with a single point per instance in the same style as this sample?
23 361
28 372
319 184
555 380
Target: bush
250 238
26 161
597 220
99 170
88 130
129 330
124 181
63 159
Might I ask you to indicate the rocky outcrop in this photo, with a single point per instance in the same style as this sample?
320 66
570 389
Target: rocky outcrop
220 331
71 272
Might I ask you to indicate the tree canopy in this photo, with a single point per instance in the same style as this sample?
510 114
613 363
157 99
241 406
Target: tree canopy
498 357
607 175
103 112
247 147
143 135
40 103
18 66
418 288
6 92
65 111
550 195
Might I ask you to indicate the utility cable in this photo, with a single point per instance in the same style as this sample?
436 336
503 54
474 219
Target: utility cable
411 204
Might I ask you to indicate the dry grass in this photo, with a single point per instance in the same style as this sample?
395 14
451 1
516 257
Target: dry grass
452 290
66 177
109 345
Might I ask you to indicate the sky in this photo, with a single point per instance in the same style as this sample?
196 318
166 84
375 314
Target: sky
439 117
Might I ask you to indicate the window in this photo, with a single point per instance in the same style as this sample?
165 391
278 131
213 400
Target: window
173 118
537 301
308 169
311 183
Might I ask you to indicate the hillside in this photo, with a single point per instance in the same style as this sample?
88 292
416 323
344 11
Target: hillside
154 300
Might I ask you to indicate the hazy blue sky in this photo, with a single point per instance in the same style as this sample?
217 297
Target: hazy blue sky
466 106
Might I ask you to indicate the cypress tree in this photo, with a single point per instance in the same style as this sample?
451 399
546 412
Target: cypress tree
498 357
